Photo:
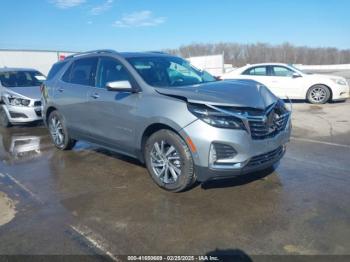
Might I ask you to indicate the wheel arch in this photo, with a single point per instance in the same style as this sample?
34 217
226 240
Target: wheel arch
151 129
49 110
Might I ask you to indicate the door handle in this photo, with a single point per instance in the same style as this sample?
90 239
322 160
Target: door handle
60 90
95 96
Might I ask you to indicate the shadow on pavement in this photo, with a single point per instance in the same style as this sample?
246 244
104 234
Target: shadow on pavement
238 180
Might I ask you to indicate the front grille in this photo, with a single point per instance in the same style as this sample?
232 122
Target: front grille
269 125
37 103
261 159
224 151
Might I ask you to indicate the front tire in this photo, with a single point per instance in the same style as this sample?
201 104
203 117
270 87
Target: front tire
4 120
318 94
59 133
169 161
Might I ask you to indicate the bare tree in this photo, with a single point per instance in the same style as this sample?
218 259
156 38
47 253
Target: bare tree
241 54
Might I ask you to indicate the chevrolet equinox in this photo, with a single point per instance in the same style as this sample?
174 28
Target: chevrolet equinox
180 121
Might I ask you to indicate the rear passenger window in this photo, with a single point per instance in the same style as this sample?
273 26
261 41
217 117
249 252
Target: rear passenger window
66 76
81 72
256 71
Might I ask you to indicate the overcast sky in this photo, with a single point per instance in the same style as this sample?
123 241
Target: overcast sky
123 25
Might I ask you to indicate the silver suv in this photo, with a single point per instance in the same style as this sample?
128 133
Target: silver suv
180 121
20 96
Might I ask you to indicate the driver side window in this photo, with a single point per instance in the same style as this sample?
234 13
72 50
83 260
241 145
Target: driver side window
110 70
281 71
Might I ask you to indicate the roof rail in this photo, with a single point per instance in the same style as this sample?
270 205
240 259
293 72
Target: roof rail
100 51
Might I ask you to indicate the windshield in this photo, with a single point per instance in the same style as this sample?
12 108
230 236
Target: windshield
297 69
169 71
21 78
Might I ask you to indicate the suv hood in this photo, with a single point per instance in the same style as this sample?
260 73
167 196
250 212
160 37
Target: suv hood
31 92
238 93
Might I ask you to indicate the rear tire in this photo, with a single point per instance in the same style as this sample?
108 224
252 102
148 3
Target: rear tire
169 161
318 94
59 133
4 120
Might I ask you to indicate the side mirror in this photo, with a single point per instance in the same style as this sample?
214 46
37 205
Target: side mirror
295 75
122 86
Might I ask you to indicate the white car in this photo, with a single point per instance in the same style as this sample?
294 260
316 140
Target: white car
20 96
286 81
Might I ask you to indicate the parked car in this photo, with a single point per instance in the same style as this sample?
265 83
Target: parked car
20 96
286 81
182 123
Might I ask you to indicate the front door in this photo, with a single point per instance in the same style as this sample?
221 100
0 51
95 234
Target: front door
111 112
283 82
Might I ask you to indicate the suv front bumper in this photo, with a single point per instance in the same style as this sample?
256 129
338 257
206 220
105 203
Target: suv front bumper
267 160
251 155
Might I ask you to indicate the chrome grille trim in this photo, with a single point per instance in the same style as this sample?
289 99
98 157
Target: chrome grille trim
263 127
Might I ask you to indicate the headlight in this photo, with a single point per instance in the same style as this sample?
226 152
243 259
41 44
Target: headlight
16 101
215 118
339 81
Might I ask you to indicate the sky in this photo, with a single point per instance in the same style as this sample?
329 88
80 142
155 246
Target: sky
139 25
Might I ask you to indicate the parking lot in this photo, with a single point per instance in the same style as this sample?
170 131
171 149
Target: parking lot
92 201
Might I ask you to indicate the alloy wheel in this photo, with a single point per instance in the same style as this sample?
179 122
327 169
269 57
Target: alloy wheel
56 131
318 94
165 162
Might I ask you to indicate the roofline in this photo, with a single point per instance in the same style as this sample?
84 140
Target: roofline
36 50
271 63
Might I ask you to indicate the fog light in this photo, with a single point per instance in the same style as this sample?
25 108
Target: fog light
221 153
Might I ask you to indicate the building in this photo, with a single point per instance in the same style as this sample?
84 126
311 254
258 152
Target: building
214 64
41 60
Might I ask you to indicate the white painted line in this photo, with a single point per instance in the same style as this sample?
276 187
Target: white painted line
94 240
319 142
23 187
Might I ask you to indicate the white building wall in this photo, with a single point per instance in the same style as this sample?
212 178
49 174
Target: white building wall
40 60
214 64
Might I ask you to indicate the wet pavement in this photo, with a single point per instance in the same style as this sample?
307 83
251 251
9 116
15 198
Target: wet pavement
93 201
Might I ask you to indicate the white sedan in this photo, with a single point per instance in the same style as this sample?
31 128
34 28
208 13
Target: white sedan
286 81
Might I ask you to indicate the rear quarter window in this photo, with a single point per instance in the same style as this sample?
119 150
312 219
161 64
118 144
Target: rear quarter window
55 69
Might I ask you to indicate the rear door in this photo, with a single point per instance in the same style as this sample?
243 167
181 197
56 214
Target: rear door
71 94
111 112
258 73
